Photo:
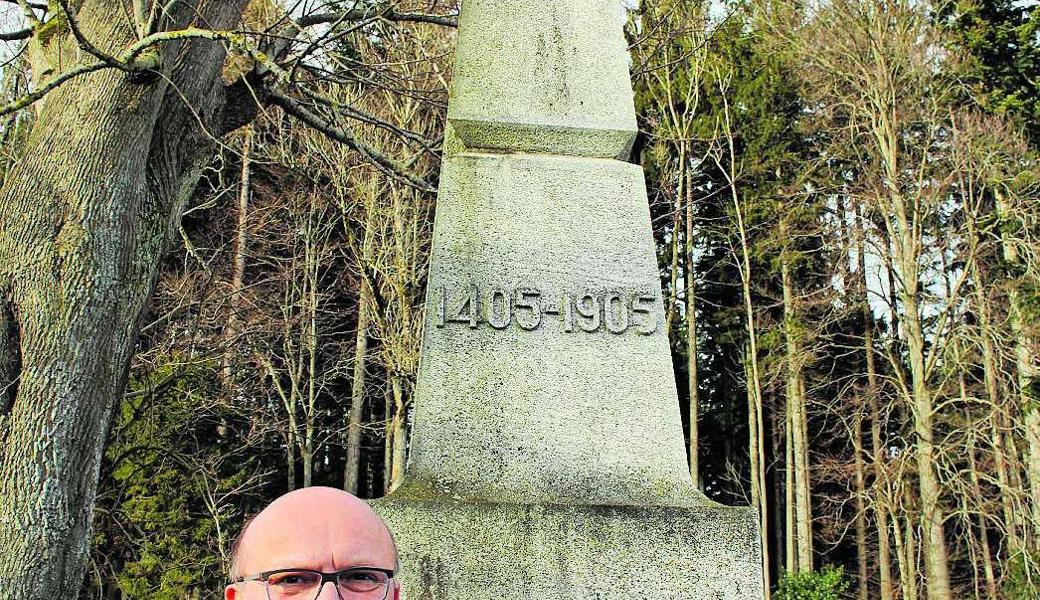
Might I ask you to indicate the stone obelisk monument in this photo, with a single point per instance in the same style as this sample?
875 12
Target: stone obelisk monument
547 459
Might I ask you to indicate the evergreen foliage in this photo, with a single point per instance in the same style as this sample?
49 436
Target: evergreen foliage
1001 43
171 467
829 583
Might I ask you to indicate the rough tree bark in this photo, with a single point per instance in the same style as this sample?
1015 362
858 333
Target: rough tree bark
84 219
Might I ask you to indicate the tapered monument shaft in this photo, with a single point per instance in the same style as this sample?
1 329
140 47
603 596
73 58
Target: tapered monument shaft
547 458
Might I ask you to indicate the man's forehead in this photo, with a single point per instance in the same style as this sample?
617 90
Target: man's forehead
320 530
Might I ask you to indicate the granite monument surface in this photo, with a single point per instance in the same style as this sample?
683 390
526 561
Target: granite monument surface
547 458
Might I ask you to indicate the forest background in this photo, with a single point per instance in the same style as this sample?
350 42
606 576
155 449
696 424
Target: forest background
845 202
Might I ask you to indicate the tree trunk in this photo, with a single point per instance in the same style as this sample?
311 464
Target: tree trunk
936 562
911 558
388 445
290 458
691 337
677 211
309 341
797 420
400 433
238 263
905 570
876 444
753 377
84 219
1027 373
357 386
976 488
996 400
357 394
861 505
791 529
758 490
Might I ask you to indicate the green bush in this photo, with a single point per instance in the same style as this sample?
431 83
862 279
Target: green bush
1022 581
829 583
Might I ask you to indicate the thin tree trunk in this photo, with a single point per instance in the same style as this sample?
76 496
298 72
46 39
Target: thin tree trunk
911 550
861 505
308 359
881 514
691 335
400 434
388 442
752 371
791 530
357 393
238 262
779 516
310 427
876 445
906 552
936 561
905 570
357 387
290 460
673 273
996 400
984 549
797 421
1027 372
758 491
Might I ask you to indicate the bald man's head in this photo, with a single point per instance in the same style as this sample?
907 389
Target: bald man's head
315 528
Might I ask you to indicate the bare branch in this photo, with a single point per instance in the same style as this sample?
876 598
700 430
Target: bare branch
389 14
43 90
27 10
82 40
16 35
345 136
34 5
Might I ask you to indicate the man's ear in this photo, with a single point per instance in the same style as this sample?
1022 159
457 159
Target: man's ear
397 591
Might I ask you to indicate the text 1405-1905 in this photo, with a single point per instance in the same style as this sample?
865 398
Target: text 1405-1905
528 308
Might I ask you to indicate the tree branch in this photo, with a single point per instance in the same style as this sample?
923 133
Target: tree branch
345 136
35 5
369 119
43 90
82 40
389 14
17 35
27 10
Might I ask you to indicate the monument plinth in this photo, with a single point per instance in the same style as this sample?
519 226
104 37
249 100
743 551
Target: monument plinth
547 457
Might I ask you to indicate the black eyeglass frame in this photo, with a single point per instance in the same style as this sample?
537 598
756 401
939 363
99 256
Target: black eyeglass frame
332 577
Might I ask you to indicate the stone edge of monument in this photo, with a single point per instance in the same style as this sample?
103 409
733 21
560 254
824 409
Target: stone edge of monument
562 140
579 551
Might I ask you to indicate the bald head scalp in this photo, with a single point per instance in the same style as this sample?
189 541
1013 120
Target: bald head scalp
319 528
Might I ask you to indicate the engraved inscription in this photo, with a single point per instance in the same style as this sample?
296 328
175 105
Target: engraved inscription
528 308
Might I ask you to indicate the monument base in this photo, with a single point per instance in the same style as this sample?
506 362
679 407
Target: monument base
476 550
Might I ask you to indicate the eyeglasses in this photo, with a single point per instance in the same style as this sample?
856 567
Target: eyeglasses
355 583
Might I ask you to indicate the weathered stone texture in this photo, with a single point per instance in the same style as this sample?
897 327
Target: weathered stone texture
546 407
541 76
476 550
547 459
